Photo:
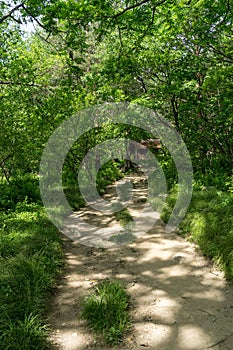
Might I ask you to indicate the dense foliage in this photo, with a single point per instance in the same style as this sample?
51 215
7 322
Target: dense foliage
175 57
172 56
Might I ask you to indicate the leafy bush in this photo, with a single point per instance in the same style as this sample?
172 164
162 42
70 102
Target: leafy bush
108 173
218 178
18 189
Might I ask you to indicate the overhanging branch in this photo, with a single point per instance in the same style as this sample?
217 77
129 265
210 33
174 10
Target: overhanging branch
9 14
135 6
34 18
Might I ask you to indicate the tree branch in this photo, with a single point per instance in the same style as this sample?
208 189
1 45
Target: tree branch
34 18
16 20
141 81
230 59
120 36
3 18
54 30
149 24
130 8
136 5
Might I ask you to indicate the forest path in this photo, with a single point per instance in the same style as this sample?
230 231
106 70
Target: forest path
180 301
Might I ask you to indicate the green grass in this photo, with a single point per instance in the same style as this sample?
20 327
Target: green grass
124 217
126 220
30 260
123 237
209 223
106 311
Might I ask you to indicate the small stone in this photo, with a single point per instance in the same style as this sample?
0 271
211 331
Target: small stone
142 200
177 259
185 296
133 250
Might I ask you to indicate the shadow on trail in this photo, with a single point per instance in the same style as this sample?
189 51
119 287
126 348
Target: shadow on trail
179 301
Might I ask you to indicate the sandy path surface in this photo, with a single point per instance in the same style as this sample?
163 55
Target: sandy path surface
179 300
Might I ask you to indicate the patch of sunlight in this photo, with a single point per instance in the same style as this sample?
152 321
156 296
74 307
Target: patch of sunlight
191 337
153 334
153 251
165 314
175 271
70 339
76 284
166 301
149 274
209 294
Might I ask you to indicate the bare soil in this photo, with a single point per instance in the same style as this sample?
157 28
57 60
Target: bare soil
180 301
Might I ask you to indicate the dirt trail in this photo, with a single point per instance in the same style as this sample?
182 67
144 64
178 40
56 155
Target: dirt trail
180 301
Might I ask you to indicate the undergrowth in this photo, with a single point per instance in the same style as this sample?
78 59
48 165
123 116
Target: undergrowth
209 223
106 311
107 174
30 260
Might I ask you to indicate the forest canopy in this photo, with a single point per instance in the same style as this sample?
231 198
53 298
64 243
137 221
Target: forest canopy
172 56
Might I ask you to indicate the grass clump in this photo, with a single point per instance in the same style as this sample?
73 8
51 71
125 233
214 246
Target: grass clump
209 223
123 237
124 217
126 220
106 311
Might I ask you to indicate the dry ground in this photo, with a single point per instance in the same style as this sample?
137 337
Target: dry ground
180 301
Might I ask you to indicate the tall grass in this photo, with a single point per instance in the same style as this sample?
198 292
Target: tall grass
30 260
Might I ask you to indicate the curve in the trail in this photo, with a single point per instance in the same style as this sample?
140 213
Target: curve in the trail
101 229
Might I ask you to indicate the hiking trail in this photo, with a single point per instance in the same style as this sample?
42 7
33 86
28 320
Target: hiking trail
180 301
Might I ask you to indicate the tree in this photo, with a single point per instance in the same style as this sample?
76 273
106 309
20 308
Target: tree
175 57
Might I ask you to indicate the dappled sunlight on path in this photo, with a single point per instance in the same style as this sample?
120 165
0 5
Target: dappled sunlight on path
179 300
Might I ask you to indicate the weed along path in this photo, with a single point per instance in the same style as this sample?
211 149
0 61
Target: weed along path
179 300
